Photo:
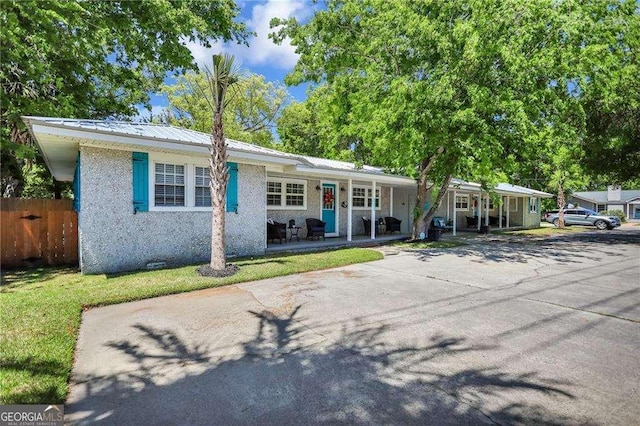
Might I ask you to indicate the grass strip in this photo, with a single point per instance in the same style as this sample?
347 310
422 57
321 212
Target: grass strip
545 231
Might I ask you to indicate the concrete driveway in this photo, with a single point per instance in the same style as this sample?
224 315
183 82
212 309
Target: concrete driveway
500 331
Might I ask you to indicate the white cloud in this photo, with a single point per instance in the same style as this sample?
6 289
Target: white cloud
145 114
262 50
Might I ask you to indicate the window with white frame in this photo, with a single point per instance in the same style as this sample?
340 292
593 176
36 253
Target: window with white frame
601 208
294 193
203 192
533 205
287 194
361 198
377 198
169 185
180 183
274 194
462 202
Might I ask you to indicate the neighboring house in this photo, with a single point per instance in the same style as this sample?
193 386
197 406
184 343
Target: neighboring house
141 192
614 198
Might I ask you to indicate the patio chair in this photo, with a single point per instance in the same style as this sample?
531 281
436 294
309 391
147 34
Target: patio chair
393 224
276 231
440 223
367 226
315 228
472 222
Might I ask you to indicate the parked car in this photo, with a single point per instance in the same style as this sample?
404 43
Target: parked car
583 217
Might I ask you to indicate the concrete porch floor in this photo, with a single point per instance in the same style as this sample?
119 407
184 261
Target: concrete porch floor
332 242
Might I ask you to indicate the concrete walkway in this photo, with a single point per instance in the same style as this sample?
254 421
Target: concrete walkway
499 331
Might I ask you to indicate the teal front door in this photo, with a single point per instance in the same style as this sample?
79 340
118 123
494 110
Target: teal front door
329 208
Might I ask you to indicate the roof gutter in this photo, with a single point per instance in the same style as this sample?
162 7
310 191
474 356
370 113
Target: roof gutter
382 178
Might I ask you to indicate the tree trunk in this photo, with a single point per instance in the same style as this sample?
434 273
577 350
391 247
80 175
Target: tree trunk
423 189
219 175
560 206
436 205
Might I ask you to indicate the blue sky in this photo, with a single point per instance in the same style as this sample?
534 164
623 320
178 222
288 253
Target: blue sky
262 56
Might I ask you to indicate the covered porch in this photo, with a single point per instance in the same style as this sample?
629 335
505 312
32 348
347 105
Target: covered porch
346 198
466 207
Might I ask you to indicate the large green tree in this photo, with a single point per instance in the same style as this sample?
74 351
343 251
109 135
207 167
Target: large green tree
316 127
94 59
253 107
611 95
456 88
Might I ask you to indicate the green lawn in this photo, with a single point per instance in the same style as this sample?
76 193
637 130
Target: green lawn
546 231
40 312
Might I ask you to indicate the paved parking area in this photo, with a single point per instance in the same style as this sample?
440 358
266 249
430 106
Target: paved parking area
504 331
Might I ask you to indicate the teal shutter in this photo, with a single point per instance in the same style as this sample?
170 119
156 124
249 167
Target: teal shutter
76 186
232 188
140 182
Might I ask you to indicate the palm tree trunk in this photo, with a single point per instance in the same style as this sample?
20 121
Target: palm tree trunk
218 184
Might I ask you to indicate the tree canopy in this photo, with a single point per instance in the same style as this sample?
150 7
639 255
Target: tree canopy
460 88
95 59
253 106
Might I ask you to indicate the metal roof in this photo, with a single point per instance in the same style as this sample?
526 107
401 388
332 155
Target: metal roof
60 153
59 148
516 189
502 188
601 197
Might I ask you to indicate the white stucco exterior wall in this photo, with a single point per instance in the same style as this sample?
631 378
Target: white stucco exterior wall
113 239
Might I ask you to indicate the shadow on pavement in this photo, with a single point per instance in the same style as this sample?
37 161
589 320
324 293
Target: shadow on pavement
281 377
567 248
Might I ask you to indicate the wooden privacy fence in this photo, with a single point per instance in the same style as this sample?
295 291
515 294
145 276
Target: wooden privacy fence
38 232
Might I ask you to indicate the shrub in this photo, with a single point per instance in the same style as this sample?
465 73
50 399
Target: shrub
619 213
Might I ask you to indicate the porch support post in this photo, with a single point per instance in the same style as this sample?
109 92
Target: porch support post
486 212
455 215
374 225
349 210
500 212
508 210
448 204
479 210
628 205
390 201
